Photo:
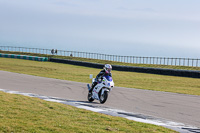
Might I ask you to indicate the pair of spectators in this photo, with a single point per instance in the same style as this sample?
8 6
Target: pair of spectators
54 51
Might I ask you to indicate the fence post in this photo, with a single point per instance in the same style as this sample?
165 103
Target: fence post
164 61
118 58
140 60
153 59
150 60
160 60
136 58
157 61
143 60
175 61
192 62
171 61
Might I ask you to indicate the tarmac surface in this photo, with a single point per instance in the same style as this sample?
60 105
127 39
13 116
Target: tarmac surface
174 107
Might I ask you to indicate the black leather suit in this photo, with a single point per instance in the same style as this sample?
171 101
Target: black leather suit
100 76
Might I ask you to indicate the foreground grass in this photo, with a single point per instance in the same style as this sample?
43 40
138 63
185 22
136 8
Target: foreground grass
124 79
24 114
107 62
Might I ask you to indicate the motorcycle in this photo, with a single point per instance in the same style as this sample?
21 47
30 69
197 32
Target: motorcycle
101 90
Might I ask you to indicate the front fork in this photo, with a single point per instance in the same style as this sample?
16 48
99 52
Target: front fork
102 92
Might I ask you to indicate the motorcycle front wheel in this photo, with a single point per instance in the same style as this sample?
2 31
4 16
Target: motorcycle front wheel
103 97
90 99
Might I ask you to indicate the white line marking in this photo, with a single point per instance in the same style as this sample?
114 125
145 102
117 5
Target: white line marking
13 92
28 94
90 108
54 100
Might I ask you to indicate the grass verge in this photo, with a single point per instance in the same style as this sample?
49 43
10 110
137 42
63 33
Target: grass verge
106 62
24 114
124 79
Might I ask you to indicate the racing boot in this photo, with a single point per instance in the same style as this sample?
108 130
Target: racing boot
92 87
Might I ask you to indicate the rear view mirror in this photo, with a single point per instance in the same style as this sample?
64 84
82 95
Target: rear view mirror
91 76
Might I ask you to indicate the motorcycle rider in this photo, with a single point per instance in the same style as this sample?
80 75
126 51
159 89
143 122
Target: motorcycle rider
106 71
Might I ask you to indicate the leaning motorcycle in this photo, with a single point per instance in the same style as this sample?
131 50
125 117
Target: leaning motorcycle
101 90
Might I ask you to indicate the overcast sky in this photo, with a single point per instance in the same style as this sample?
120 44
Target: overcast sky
169 28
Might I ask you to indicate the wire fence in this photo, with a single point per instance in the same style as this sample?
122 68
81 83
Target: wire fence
126 59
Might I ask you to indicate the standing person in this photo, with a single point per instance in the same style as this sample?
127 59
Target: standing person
52 51
56 51
106 71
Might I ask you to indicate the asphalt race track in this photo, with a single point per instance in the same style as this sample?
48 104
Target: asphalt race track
174 107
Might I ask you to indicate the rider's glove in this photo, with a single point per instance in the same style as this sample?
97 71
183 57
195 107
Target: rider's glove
98 80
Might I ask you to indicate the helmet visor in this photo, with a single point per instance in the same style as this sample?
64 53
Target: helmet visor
109 69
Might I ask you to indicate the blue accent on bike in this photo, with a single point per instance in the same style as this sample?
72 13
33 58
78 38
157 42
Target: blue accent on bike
109 78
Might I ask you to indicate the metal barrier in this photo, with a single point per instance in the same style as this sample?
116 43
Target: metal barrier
126 59
160 71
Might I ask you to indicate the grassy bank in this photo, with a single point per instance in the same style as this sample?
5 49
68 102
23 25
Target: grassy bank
107 62
124 79
24 114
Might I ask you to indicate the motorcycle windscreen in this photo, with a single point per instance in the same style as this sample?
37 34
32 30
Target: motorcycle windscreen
108 78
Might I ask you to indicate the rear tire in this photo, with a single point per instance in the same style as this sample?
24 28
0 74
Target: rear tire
103 97
90 99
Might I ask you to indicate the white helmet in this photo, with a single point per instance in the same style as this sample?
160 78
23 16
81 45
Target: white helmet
108 68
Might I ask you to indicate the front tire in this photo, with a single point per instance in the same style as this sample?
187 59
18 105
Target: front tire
90 99
103 97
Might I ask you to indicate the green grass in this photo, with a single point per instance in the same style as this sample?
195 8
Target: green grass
25 114
107 62
124 79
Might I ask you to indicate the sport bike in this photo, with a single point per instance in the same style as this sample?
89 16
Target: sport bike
101 90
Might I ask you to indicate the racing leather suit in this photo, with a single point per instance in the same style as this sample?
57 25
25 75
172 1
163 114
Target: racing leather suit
99 76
